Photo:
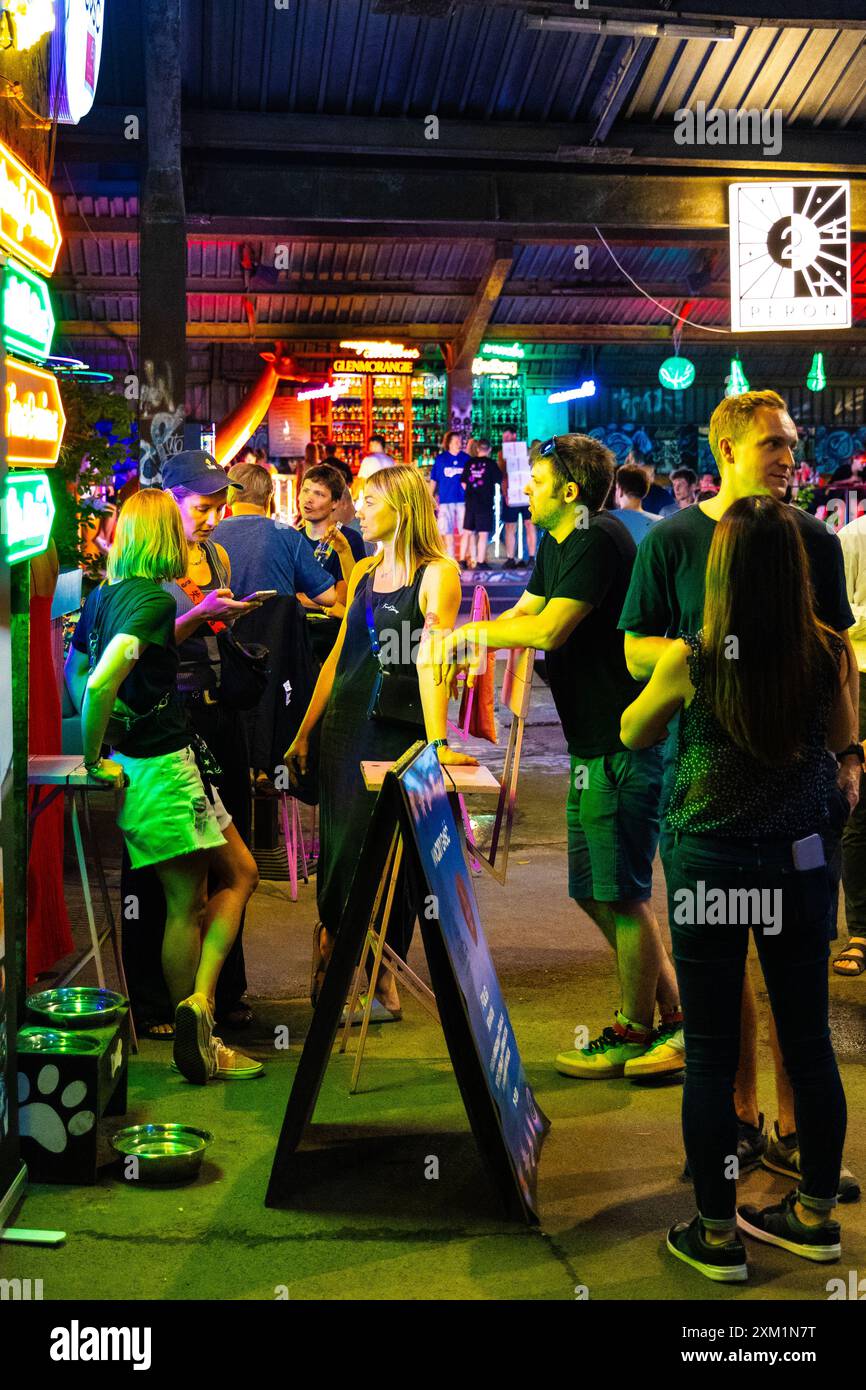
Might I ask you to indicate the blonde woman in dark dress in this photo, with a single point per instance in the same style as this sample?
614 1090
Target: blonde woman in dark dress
411 587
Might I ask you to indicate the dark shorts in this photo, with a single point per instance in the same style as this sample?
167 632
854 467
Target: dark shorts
510 514
477 517
612 815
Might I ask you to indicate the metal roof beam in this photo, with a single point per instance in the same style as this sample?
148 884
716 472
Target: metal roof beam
573 334
630 143
365 289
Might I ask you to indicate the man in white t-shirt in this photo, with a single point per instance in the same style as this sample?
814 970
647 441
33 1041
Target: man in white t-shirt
376 458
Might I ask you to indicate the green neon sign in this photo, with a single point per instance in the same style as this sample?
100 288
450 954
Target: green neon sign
817 378
28 511
677 373
737 381
502 350
26 315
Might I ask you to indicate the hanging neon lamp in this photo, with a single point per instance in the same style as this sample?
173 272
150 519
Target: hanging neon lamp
677 373
817 378
737 382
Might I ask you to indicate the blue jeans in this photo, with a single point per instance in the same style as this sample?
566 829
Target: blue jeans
719 890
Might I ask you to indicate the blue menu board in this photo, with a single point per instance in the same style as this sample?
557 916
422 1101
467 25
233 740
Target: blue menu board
506 1121
450 905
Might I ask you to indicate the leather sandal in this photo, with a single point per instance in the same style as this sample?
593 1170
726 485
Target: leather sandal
856 954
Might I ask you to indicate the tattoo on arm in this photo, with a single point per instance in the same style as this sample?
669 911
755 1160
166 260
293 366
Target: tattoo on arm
431 621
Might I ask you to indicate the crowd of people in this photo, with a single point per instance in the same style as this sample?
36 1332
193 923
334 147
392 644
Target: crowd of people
705 665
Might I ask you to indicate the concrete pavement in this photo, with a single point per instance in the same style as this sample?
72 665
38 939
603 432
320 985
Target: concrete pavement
366 1222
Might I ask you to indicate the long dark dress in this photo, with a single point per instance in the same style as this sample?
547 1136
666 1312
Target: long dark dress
348 737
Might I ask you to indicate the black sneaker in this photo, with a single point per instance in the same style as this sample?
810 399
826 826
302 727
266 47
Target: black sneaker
780 1225
783 1156
726 1264
751 1146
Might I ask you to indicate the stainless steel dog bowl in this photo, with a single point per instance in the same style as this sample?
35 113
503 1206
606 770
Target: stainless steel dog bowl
50 1040
76 1006
165 1153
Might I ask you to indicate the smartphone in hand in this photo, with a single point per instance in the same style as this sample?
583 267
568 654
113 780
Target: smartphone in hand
259 596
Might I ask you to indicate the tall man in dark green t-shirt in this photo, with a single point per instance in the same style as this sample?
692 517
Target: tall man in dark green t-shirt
570 610
753 439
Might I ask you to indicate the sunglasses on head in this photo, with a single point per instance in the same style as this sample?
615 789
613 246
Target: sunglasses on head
549 447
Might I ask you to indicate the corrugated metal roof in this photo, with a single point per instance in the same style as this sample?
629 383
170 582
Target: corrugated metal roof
814 76
479 62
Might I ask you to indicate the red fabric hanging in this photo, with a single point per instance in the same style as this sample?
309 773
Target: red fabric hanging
478 703
49 934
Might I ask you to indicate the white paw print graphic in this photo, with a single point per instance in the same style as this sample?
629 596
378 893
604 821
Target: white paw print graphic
43 1122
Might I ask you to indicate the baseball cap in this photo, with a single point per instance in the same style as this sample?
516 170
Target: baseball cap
197 470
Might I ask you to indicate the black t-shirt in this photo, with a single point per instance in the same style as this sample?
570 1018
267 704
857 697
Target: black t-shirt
480 477
141 608
331 562
666 594
589 680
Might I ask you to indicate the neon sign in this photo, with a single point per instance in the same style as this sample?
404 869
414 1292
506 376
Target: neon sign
577 393
502 349
817 377
28 222
737 381
365 347
26 316
677 373
25 22
28 511
493 366
76 48
34 417
373 366
319 392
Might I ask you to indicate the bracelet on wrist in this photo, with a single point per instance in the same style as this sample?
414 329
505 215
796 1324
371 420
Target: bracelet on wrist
440 743
89 766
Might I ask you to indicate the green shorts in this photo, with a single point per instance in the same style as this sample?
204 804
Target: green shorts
612 814
165 810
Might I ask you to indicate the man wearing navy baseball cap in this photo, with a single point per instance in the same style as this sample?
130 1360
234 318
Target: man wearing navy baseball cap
197 471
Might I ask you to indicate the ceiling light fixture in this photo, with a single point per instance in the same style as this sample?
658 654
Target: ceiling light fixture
628 28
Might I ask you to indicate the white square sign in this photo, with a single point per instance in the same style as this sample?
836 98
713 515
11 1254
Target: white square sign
790 255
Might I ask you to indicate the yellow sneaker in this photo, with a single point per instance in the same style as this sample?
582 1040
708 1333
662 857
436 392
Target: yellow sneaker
607 1056
233 1066
665 1054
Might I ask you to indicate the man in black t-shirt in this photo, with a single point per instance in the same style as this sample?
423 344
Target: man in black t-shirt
753 439
480 477
570 610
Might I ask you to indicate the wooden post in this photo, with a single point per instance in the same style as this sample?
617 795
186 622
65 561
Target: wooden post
162 342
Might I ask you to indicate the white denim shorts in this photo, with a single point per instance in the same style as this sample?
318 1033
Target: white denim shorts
165 810
450 518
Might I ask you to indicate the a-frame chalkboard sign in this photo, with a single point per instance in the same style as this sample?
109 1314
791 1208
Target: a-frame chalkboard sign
508 1125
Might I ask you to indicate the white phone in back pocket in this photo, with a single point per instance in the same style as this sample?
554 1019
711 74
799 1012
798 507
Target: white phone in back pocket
808 853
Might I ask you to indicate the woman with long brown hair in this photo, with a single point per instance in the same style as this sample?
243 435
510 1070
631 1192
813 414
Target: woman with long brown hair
396 600
763 700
